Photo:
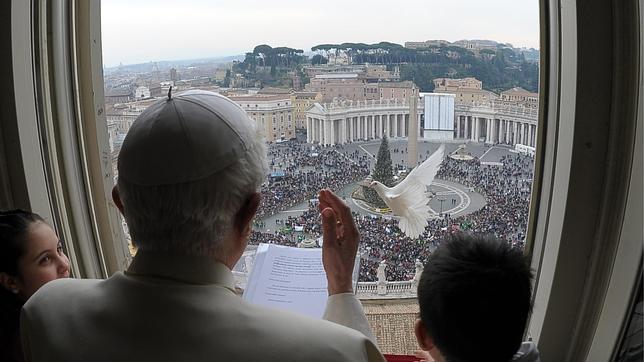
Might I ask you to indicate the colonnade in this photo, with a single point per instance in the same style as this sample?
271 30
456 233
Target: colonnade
496 130
339 123
329 130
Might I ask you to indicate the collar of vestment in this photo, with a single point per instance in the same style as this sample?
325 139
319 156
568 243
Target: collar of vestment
191 269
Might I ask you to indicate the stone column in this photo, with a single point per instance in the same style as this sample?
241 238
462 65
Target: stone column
387 126
346 129
492 126
365 130
402 124
308 130
515 133
477 129
334 132
394 125
358 127
375 126
366 127
458 127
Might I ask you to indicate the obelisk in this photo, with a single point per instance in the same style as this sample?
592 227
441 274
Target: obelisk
412 139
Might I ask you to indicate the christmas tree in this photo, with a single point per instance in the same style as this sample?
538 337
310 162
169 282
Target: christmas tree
383 172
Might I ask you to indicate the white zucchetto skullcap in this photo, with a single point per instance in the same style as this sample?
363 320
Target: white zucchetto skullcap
184 138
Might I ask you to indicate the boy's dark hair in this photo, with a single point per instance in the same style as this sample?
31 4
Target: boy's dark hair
474 298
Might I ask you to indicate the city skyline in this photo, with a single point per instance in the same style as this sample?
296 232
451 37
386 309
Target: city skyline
143 31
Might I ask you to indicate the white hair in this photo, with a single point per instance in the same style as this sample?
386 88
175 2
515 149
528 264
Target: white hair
193 217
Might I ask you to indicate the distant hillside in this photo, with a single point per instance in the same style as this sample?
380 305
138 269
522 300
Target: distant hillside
498 68
167 64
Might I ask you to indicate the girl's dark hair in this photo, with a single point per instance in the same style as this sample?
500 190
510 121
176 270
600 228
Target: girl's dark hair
13 229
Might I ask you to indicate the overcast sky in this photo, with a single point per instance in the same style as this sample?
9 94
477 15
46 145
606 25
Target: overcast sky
137 31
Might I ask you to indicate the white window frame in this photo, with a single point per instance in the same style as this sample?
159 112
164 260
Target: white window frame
56 50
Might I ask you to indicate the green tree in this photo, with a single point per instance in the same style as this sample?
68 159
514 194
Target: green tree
382 172
319 59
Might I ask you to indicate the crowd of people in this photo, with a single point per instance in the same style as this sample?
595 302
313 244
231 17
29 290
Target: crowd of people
298 172
506 188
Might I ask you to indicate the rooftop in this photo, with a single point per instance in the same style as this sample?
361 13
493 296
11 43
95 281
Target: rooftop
392 323
260 98
275 90
119 92
403 84
337 76
519 90
305 94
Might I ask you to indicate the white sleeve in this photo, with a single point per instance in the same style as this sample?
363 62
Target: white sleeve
345 309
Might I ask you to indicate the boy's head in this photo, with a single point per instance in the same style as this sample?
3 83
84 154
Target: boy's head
474 298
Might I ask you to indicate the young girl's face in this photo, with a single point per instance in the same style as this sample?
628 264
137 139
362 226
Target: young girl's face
43 260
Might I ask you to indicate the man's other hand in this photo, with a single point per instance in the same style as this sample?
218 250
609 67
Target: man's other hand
340 242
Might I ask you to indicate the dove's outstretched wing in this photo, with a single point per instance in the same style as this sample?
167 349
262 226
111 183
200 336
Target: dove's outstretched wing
426 171
409 199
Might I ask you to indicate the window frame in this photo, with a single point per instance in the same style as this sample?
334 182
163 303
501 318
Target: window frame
56 53
584 166
57 174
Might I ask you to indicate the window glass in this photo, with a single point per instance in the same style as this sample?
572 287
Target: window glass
632 349
475 85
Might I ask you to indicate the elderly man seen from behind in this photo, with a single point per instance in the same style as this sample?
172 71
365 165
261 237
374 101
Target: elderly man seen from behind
189 173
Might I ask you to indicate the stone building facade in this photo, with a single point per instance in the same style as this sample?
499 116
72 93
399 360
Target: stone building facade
273 113
302 101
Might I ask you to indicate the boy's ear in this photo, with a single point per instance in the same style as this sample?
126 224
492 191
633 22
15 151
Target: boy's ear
116 197
425 341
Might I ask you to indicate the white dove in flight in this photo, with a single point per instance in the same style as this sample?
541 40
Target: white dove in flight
409 199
